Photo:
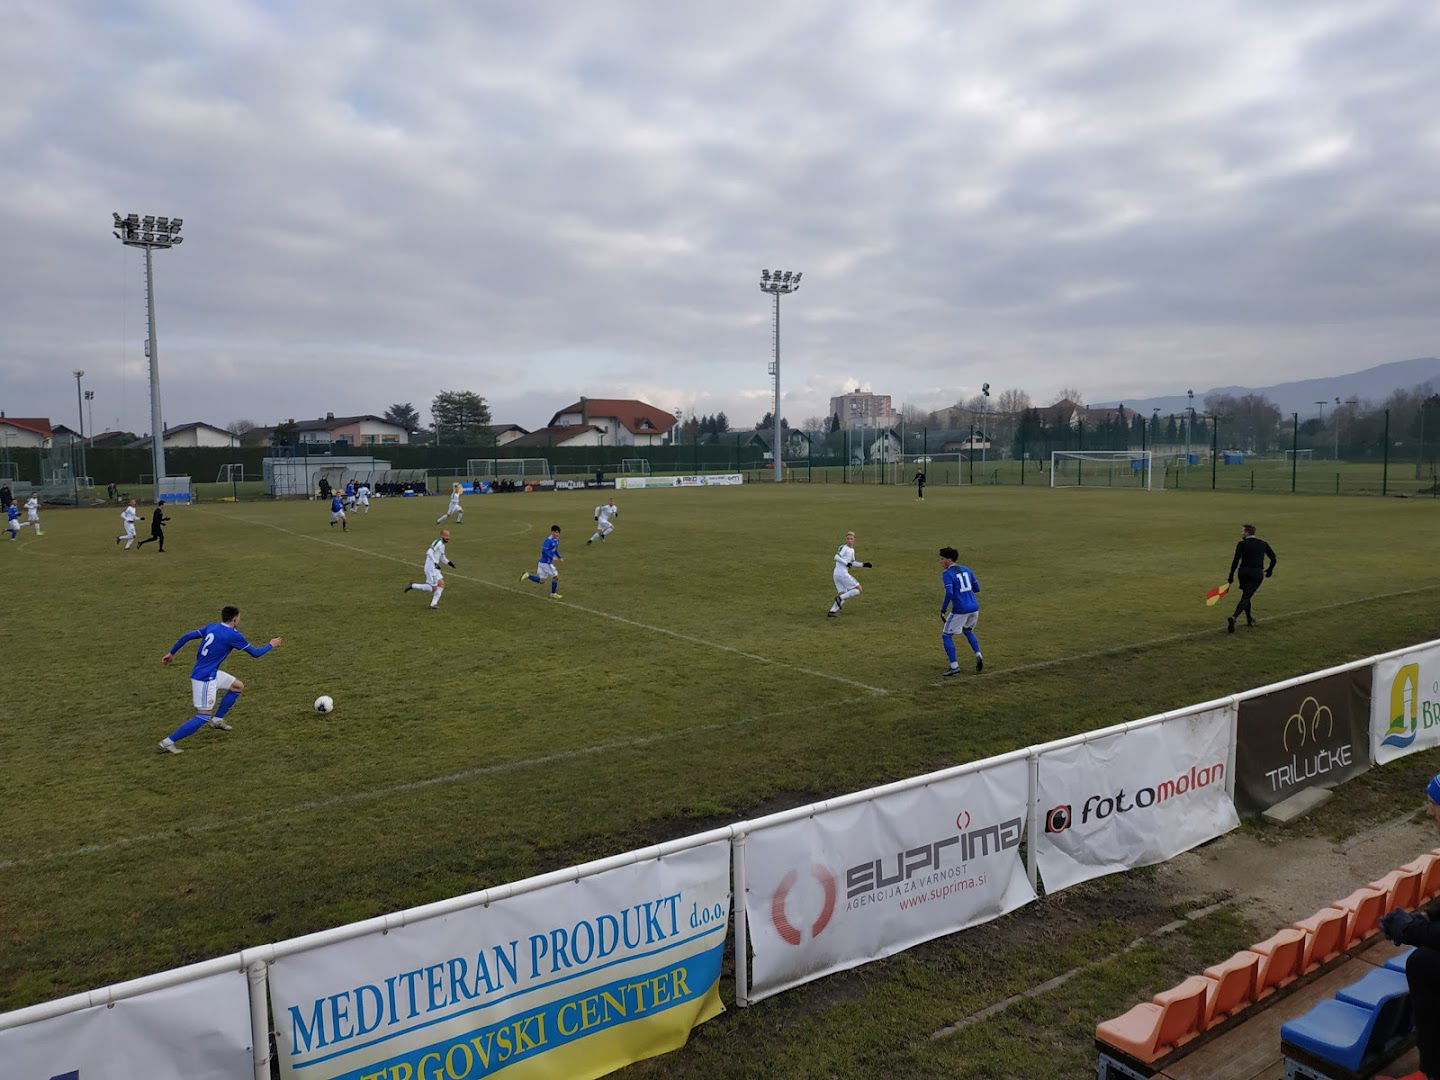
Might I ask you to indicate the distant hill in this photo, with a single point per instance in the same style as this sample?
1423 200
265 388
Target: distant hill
1373 384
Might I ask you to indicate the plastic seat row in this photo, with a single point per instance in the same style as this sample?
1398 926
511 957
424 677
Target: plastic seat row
1171 1019
1362 1023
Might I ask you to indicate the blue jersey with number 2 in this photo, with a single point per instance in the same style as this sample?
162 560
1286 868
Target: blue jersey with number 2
216 642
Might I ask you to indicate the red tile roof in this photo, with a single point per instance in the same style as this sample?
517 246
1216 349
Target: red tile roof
630 413
553 435
38 424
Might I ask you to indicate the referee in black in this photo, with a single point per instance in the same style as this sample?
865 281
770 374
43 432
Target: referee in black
157 527
1250 555
919 483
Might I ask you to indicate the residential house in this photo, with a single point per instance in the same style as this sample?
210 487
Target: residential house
29 431
503 434
367 430
623 422
561 435
198 433
796 443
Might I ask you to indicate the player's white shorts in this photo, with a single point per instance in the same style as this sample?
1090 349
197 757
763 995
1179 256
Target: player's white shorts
32 515
957 621
844 582
362 500
130 529
203 694
454 507
14 526
604 528
546 570
338 515
433 576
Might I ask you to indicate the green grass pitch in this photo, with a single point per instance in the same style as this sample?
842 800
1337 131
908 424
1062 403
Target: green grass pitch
689 677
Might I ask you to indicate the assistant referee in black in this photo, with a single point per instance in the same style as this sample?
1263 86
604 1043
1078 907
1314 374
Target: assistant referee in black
1250 555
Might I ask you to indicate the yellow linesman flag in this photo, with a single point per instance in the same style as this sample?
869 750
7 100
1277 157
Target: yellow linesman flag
1213 596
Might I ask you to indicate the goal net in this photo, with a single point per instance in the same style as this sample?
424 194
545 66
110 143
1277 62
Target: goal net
635 465
1300 455
938 468
526 468
1102 468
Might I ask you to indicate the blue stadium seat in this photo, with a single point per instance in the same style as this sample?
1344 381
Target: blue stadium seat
1333 1030
1387 993
1397 962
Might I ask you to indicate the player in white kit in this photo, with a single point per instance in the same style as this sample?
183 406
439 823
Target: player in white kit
603 513
128 517
32 514
434 582
454 507
362 497
845 584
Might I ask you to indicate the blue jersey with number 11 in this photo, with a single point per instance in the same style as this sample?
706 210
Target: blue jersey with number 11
960 589
216 642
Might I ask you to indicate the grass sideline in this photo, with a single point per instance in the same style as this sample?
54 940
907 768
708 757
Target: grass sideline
688 678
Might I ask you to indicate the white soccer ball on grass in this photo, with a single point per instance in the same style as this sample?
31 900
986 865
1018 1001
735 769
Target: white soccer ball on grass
324 704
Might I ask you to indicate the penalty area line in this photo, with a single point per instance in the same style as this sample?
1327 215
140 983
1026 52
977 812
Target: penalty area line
689 638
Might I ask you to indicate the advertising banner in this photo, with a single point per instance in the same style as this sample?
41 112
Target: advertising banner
1134 798
194 1031
1313 734
576 980
706 480
832 891
1405 705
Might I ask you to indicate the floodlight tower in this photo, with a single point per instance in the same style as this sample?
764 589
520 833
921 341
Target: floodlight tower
151 233
778 284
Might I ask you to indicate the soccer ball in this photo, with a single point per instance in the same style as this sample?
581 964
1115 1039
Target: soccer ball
324 703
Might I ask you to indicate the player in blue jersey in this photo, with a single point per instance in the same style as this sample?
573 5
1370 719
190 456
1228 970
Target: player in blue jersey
547 570
207 680
960 609
337 512
12 520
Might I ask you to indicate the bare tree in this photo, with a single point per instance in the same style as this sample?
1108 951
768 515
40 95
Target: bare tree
1068 393
240 428
1012 402
815 425
913 415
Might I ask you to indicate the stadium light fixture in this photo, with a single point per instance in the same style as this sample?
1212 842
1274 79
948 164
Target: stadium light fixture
151 233
778 284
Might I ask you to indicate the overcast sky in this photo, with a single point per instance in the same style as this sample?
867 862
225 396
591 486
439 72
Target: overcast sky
537 200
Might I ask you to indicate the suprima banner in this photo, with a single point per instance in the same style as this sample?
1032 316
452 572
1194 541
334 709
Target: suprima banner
1405 704
1134 798
571 980
197 1030
845 886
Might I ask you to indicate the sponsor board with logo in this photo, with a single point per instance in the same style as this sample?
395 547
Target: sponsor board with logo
1134 798
1314 734
706 480
574 979
197 1030
1405 704
845 886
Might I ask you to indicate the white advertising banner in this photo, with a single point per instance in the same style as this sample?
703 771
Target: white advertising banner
194 1031
576 980
846 886
1405 704
1134 798
706 480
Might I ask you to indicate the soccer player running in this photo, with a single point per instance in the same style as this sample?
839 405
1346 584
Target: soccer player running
337 512
845 584
32 514
434 582
603 513
12 520
919 479
157 527
1250 555
960 609
547 570
362 497
454 507
128 517
207 680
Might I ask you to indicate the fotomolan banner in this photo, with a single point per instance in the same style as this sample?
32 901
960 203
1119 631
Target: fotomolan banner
575 980
1313 734
1405 705
832 891
1134 798
193 1031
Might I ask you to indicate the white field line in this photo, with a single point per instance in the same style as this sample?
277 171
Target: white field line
350 798
677 635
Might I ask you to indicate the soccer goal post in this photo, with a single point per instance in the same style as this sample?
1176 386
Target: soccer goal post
639 466
1307 454
949 469
527 468
1103 468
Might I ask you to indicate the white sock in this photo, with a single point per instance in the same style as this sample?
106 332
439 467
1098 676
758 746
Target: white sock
439 519
423 588
834 607
848 593
595 537
435 601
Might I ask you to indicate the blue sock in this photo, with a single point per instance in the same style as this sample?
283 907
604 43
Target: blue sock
227 703
948 640
194 724
554 584
974 641
533 578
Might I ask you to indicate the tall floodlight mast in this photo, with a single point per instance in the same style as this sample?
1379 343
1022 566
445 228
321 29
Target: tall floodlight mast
778 284
151 233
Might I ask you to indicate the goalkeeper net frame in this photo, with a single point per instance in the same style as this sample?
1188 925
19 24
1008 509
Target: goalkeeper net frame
527 468
636 466
1103 468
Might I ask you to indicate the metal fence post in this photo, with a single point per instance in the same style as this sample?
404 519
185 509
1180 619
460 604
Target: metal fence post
1214 448
1385 471
1294 453
742 935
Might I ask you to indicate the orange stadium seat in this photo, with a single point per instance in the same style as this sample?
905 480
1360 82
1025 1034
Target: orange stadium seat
1153 1028
1282 958
1324 937
1363 909
1429 867
1401 888
1232 986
